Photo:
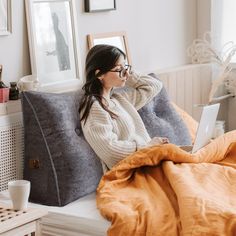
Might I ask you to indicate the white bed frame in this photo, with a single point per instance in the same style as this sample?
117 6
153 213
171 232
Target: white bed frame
187 85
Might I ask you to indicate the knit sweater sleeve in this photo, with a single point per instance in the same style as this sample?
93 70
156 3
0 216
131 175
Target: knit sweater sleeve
98 131
141 89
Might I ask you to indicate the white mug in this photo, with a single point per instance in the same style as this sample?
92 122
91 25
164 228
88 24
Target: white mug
28 82
19 191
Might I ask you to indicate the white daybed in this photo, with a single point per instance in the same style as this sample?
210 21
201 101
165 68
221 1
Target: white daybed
79 218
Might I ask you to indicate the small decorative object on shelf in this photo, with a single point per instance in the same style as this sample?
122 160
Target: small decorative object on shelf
14 91
2 85
4 91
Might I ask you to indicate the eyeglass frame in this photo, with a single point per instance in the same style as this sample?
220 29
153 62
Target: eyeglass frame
128 68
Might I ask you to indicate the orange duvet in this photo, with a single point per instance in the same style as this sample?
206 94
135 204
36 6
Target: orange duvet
166 191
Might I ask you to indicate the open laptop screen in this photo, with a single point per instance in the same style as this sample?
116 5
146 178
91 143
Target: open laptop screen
206 126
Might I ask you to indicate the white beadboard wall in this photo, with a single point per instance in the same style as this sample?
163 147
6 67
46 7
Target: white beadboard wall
189 86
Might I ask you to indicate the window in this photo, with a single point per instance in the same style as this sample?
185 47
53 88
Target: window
223 24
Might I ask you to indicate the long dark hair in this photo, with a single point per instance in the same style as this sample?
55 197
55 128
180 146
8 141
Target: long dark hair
103 58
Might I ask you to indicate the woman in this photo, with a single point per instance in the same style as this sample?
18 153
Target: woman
110 121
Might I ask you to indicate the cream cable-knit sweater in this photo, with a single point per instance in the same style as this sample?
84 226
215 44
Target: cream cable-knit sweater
114 139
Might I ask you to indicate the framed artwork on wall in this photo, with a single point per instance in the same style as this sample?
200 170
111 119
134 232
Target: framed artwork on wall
5 17
118 39
99 5
52 32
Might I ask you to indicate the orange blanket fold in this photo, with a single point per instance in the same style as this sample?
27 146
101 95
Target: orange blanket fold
164 190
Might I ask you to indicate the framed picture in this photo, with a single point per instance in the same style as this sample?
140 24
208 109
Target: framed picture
5 17
118 39
52 32
99 5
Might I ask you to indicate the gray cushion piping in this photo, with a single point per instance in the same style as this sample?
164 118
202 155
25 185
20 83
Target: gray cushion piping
48 150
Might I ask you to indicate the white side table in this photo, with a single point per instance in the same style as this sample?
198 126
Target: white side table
20 223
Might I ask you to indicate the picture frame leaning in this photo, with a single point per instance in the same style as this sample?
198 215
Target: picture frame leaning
53 41
117 39
99 5
5 17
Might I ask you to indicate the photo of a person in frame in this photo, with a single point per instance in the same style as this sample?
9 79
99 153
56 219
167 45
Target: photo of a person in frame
61 48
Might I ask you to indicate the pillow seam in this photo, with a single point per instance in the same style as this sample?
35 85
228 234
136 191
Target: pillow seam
48 150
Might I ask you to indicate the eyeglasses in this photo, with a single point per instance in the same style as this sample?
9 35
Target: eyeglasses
122 72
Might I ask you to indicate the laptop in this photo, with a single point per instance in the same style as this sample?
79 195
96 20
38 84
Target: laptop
205 128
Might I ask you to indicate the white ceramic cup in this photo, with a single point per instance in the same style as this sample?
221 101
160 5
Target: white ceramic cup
19 191
28 82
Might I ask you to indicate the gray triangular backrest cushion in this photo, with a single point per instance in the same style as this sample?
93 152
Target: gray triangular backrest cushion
161 119
67 166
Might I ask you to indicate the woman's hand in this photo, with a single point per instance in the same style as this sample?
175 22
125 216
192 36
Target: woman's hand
158 141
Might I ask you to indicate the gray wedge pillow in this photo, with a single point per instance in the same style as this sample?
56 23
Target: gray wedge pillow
162 120
58 161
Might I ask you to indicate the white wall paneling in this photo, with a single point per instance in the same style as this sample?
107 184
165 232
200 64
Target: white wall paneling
188 86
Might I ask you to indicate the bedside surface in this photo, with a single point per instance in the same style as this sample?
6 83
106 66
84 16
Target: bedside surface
79 216
10 219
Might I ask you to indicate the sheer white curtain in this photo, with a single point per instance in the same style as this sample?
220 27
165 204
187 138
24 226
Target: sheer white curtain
223 23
